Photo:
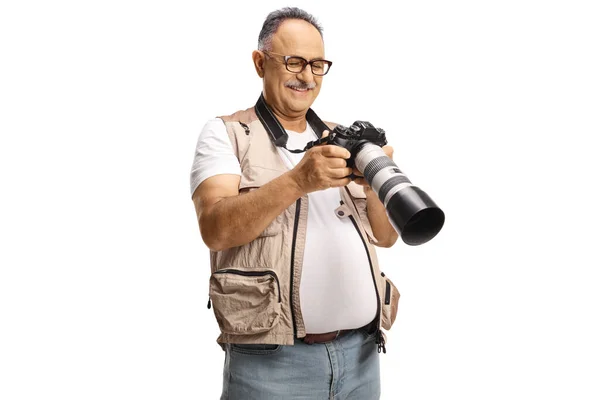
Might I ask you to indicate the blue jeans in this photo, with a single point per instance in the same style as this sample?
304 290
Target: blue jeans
346 368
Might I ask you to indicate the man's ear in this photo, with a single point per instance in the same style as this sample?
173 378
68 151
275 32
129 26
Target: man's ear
259 62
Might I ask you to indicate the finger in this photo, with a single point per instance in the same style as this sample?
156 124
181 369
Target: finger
336 162
340 182
356 172
331 150
361 181
340 172
325 133
388 150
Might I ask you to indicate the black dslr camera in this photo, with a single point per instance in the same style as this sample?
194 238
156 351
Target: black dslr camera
412 213
354 137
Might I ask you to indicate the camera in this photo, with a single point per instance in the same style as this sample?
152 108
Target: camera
412 213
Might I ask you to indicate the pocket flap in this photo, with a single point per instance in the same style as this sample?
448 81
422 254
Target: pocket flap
245 302
390 301
356 190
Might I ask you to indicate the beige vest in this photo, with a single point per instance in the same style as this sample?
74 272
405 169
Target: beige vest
254 288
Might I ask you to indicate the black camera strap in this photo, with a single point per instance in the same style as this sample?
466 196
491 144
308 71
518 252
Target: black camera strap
278 134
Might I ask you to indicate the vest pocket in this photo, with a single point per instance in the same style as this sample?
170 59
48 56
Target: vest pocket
359 199
361 206
389 309
245 302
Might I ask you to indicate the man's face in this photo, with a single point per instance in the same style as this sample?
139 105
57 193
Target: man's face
291 93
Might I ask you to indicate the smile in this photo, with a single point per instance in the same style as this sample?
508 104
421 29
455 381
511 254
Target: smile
298 89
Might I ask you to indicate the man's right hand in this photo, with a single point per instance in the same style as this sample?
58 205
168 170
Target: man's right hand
322 167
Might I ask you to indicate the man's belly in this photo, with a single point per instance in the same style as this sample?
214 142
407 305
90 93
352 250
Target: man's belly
337 290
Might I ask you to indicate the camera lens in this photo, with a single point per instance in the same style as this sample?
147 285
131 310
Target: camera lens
413 214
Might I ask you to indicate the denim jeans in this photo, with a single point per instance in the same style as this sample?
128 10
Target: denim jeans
345 369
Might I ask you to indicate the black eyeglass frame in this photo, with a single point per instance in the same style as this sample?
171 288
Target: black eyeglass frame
305 62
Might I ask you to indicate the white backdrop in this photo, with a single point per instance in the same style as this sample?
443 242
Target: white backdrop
491 107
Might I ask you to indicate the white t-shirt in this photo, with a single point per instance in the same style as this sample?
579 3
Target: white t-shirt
336 289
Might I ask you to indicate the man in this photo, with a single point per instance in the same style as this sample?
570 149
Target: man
295 284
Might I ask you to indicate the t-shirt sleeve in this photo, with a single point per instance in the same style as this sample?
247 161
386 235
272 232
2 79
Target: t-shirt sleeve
214 154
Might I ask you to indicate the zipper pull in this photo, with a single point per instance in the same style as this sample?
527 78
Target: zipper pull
208 303
246 128
380 340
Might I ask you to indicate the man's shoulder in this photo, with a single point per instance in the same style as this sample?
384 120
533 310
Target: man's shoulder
246 116
330 125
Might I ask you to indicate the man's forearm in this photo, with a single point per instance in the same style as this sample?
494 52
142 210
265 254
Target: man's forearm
238 220
383 230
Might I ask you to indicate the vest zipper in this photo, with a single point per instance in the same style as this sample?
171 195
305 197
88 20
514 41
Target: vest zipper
296 220
379 339
249 273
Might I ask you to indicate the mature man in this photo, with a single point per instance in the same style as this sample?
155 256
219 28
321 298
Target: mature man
295 284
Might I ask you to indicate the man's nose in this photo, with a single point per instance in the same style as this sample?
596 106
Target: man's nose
306 75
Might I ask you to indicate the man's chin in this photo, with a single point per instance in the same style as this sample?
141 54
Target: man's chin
301 104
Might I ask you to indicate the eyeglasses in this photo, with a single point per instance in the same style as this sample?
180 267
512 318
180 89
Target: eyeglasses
296 64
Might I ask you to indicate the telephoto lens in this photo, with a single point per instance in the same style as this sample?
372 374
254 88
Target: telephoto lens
413 214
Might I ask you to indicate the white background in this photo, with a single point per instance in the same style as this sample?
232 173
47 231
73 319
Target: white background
492 108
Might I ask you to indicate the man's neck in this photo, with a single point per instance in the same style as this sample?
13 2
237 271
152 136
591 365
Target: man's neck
297 124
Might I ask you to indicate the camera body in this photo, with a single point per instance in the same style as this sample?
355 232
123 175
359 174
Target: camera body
355 136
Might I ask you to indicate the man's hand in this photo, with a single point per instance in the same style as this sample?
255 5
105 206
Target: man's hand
389 151
322 167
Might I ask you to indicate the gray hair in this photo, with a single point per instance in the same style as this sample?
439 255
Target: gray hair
276 18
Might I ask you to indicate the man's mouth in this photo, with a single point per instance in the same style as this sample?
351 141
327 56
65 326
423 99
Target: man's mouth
297 89
299 86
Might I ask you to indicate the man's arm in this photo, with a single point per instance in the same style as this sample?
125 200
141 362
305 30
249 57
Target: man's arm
228 219
383 230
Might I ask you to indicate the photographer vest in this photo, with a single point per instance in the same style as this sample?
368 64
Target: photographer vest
254 289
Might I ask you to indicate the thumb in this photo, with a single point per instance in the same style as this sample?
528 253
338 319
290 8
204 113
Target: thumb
325 134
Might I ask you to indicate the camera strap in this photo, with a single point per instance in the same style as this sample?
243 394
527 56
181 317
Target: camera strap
278 134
